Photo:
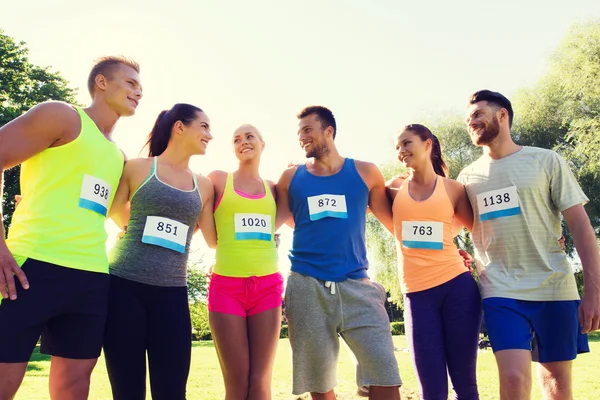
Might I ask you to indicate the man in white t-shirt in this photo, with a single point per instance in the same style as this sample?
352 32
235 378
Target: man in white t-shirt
531 304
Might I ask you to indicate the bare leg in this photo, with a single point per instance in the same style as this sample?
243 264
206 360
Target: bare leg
555 380
514 367
230 335
70 379
263 336
323 396
11 376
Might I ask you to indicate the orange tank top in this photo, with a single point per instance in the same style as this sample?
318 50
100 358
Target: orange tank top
427 256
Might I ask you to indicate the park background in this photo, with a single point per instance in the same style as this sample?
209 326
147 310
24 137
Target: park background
378 66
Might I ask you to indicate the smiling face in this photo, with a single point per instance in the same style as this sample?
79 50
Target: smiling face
482 123
313 137
412 150
121 89
197 133
247 143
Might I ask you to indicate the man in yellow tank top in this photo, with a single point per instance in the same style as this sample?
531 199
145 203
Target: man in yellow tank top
53 266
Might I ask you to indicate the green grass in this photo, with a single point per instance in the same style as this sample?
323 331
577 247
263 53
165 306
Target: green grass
205 377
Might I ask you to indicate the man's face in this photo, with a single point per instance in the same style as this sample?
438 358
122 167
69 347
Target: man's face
123 90
311 136
482 123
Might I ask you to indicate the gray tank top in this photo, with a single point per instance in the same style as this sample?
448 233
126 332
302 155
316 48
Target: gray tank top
154 249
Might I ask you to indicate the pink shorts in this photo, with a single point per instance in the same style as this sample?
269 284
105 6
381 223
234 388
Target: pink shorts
244 296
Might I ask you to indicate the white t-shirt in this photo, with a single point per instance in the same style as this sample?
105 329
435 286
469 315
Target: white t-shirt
517 201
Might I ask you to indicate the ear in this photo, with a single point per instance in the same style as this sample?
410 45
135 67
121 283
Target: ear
101 81
329 132
429 144
502 115
178 127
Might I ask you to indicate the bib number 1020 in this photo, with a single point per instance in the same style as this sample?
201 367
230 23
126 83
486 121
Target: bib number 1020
258 222
496 199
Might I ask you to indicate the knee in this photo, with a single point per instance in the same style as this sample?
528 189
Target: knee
514 379
259 386
556 383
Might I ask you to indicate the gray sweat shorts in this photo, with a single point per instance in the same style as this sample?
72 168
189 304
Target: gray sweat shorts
354 310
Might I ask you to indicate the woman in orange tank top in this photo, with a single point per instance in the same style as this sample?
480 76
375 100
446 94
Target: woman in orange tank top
442 305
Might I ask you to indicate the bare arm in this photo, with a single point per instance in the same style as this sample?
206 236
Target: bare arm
206 222
284 214
48 124
587 248
462 206
120 208
378 199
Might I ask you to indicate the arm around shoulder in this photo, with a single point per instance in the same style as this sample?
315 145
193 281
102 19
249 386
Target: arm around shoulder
206 222
41 127
284 214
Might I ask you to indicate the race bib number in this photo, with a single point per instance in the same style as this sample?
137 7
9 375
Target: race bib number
498 203
327 205
253 227
165 232
423 235
95 194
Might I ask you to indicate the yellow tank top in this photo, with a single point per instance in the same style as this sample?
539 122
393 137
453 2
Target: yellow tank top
427 256
67 191
245 232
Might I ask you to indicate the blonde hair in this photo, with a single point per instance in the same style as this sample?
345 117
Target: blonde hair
253 128
105 66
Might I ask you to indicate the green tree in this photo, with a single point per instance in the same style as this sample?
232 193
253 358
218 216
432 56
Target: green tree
23 85
197 280
562 111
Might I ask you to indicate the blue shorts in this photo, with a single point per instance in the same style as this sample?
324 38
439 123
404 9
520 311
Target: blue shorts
549 329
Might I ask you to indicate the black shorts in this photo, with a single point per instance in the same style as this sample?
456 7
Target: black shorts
66 306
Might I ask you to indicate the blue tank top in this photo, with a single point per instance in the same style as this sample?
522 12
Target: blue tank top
330 218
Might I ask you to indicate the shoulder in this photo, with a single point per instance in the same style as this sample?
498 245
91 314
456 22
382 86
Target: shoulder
366 166
395 183
451 184
55 113
138 163
204 184
288 174
217 176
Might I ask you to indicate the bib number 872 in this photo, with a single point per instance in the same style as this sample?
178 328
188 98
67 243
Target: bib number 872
326 202
422 230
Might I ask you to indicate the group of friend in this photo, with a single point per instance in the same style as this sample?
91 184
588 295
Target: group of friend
57 281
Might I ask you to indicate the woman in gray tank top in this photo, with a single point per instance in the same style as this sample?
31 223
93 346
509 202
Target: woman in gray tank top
160 203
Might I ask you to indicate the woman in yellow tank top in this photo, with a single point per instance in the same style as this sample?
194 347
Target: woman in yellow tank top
442 305
244 295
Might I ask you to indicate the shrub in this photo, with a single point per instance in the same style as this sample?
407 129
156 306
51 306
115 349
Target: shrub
397 328
283 334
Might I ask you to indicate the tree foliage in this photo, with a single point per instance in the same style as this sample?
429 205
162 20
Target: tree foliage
23 85
560 112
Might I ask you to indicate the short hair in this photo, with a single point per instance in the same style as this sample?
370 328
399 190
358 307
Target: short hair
106 65
323 114
495 98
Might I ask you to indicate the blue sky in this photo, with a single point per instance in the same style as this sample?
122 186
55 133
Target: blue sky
378 65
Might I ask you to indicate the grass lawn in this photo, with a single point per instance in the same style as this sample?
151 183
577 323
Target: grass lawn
205 377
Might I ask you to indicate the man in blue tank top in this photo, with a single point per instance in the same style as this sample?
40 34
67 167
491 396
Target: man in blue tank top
328 291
